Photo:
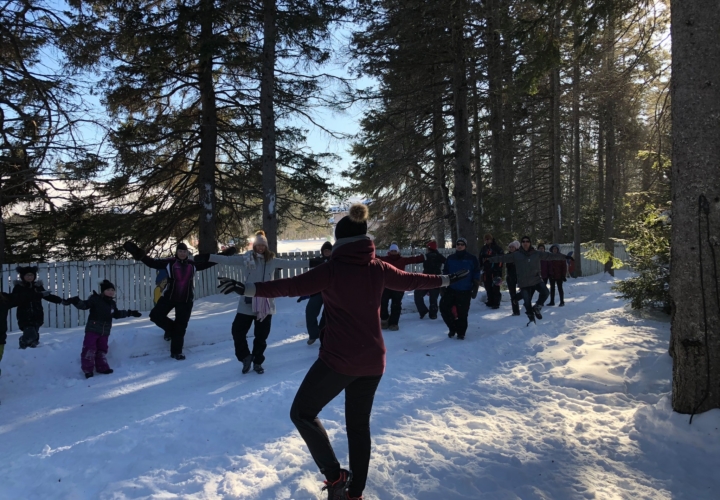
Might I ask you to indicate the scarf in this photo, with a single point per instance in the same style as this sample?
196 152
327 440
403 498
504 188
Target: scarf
261 306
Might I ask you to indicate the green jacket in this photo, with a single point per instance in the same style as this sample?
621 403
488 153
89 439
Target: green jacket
527 264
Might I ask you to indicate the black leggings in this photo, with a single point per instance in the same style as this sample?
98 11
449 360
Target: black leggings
240 328
175 328
322 385
559 283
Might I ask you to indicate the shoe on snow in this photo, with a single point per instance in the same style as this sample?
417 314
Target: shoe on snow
311 341
562 304
422 315
88 375
384 324
536 309
337 490
106 372
247 363
461 337
167 337
393 328
451 334
551 304
433 316
258 369
179 356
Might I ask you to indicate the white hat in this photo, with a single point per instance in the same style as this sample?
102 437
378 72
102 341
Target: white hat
394 248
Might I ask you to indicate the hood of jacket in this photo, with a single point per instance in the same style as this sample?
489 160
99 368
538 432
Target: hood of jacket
356 251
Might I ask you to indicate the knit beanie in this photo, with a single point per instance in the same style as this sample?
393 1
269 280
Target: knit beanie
181 246
515 244
105 285
353 224
394 248
461 240
22 271
432 245
260 239
326 246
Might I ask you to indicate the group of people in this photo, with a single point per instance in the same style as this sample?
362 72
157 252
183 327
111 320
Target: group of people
352 350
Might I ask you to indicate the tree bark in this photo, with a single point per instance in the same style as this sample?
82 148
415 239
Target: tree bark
440 197
267 123
695 339
555 142
495 92
207 223
477 157
462 190
576 150
610 152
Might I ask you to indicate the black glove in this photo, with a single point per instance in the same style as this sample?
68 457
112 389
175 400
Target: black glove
72 301
228 286
134 250
458 275
54 299
475 290
134 314
229 251
201 258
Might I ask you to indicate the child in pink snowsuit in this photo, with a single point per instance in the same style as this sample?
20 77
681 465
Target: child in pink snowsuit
97 330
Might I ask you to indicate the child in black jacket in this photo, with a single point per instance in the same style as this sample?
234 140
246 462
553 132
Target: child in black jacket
27 295
97 330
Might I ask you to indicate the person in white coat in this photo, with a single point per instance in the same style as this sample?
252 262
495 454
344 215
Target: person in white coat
259 266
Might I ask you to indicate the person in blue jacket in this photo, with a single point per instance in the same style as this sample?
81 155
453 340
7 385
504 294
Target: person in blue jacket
460 293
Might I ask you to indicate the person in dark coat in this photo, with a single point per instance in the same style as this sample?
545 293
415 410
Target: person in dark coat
103 310
458 296
315 303
352 351
179 293
557 273
527 262
491 271
511 278
393 298
28 294
433 264
7 302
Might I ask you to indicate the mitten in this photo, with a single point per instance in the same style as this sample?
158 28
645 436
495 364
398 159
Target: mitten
229 285
134 250
134 314
458 275
229 251
201 258
72 301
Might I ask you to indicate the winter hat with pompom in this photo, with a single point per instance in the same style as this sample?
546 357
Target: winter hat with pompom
515 244
260 238
353 224
394 248
106 285
432 245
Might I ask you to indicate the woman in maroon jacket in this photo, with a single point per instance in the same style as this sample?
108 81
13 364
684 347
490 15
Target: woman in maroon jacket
557 273
352 352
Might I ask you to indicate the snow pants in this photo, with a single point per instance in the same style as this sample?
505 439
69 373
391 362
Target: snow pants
94 352
30 337
460 300
312 311
388 296
240 328
527 294
175 328
320 386
561 292
420 302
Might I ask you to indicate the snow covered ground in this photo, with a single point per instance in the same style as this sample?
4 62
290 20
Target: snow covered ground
575 407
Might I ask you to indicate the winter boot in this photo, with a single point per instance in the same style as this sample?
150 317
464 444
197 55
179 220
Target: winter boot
562 304
461 337
531 317
179 356
536 309
106 372
552 303
247 362
515 308
337 490
451 334
311 341
433 315
393 328
258 369
422 315
384 324
88 374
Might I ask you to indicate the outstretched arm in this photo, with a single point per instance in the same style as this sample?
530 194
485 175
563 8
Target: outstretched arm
508 257
314 281
402 281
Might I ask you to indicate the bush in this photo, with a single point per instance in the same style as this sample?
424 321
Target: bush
649 249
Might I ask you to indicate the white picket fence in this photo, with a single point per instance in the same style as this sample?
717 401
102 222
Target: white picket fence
135 282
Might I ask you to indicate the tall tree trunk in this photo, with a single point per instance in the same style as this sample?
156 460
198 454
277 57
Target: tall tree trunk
601 173
477 157
440 197
207 222
495 92
576 149
267 122
508 137
695 338
610 152
555 142
462 191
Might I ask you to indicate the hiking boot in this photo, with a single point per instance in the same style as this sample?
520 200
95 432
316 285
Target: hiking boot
106 372
562 304
311 341
384 324
433 316
88 374
179 356
422 315
258 369
337 490
393 328
461 337
451 334
552 303
247 363
536 309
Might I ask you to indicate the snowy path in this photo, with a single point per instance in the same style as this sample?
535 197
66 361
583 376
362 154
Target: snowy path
575 407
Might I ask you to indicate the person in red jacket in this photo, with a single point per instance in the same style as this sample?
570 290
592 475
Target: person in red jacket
352 351
557 273
391 320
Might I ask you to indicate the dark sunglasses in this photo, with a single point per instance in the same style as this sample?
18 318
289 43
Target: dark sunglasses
525 241
460 244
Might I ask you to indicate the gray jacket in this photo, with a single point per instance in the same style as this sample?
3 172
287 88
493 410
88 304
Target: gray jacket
527 264
256 270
